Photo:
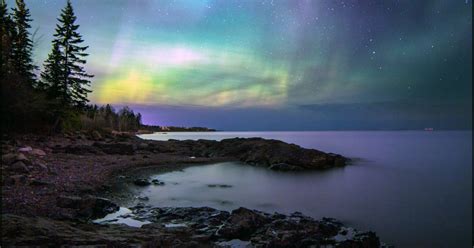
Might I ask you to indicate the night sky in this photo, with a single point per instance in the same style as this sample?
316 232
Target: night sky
277 65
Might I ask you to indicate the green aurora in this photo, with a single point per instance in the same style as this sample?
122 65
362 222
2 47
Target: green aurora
300 59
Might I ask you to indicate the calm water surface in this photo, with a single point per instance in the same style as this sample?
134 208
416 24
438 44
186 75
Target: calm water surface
413 187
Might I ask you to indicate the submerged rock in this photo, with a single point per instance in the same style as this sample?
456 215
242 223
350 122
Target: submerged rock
219 186
157 182
141 182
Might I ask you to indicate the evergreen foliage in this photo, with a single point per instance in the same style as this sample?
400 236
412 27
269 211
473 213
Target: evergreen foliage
59 101
105 117
6 35
64 73
22 46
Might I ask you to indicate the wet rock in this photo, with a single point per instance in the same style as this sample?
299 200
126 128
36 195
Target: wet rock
141 182
139 205
157 182
143 198
189 227
241 224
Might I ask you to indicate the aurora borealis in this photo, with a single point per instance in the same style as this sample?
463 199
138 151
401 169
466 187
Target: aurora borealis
277 65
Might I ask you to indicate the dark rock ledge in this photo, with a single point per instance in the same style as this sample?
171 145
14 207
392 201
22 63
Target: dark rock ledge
274 154
190 227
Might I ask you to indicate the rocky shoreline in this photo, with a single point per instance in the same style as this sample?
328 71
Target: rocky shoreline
50 189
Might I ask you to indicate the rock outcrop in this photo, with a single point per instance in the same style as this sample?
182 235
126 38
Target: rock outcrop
190 227
274 154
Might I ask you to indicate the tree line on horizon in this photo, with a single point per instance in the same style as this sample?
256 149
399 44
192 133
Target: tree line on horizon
57 100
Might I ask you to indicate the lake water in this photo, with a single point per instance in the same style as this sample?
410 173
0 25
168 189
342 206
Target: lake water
414 188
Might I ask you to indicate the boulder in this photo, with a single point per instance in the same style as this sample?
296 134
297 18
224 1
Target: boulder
25 149
21 157
241 224
157 182
38 152
141 182
20 167
9 158
89 207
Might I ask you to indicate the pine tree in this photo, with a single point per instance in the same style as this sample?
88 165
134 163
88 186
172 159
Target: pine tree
74 83
6 36
52 74
22 43
139 120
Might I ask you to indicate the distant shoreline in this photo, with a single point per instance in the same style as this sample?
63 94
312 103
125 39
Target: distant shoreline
348 130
